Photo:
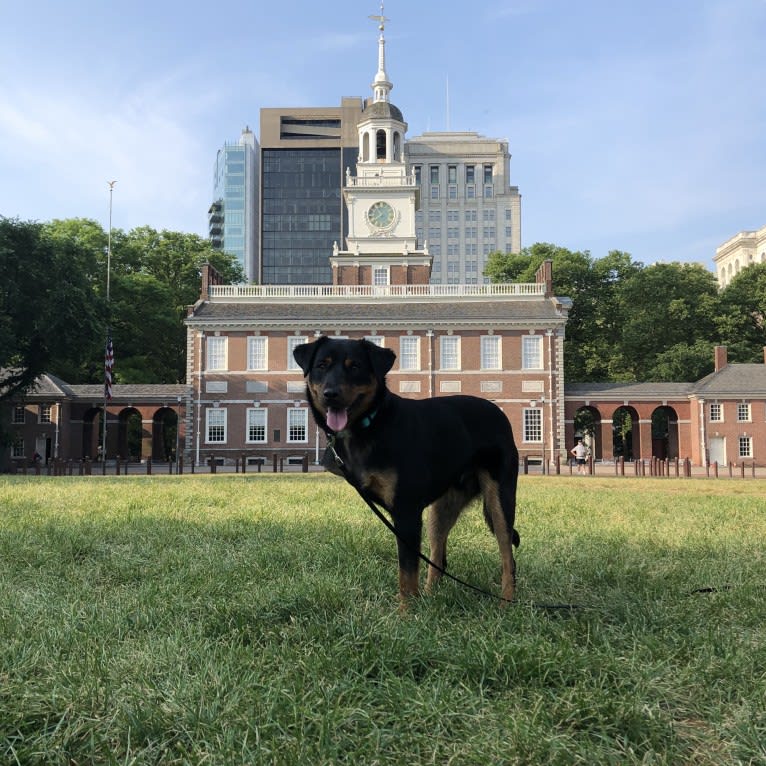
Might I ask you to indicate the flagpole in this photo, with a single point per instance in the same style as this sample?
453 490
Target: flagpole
108 350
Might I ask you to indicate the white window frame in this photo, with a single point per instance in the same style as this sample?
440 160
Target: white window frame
292 342
19 415
258 352
375 339
405 355
381 276
533 425
744 412
747 443
216 353
491 352
718 411
532 352
449 359
17 449
213 414
250 416
297 418
45 413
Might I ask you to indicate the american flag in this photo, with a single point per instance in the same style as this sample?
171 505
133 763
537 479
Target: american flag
108 367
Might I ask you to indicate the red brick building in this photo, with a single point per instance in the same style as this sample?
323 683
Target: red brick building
502 342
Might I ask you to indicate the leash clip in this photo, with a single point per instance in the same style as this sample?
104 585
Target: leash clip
331 446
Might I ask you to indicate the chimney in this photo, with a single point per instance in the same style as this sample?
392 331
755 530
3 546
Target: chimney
544 276
721 360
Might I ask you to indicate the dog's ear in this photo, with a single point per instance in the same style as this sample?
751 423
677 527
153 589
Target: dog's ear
304 354
382 359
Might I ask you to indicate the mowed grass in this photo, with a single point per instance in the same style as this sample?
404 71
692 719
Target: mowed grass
254 620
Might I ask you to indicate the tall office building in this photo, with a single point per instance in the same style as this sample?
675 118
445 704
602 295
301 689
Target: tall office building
468 208
304 156
233 214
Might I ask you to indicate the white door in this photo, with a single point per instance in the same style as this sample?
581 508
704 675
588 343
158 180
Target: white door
40 443
718 450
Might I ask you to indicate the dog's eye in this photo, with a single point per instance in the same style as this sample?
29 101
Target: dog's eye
321 365
354 367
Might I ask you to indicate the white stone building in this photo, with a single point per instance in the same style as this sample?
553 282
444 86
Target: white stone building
468 208
739 252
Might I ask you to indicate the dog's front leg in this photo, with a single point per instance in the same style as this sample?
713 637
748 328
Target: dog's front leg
409 528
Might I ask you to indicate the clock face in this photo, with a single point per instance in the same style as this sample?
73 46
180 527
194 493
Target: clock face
380 214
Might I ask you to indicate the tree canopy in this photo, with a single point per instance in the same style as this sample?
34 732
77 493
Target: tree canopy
54 312
633 322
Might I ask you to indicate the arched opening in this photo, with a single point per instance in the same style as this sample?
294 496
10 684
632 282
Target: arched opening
380 145
164 434
587 428
92 432
665 433
397 146
365 147
626 437
130 434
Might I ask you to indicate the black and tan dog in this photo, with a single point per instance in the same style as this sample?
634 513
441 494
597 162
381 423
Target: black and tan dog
407 454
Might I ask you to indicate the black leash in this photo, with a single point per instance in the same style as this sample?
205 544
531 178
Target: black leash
475 588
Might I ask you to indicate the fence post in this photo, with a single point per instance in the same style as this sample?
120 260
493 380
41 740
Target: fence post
244 463
211 462
558 464
148 466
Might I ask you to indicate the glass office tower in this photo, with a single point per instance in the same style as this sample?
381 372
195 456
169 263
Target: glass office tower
303 213
233 215
304 155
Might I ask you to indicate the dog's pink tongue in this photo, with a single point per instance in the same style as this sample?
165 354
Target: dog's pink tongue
337 419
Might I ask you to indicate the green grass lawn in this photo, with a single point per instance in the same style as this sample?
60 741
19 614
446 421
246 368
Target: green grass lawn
233 620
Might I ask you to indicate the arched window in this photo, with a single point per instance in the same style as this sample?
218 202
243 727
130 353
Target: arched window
366 147
380 145
397 146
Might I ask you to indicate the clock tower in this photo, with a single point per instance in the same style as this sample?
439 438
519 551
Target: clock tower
381 198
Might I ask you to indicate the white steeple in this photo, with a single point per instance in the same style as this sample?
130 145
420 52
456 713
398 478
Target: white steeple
381 198
381 85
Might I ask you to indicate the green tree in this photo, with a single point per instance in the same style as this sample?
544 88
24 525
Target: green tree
49 315
668 314
742 317
153 277
592 331
147 335
174 261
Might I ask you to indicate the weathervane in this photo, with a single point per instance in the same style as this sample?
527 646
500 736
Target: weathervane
380 19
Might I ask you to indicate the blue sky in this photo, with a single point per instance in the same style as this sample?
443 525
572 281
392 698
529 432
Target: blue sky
637 126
